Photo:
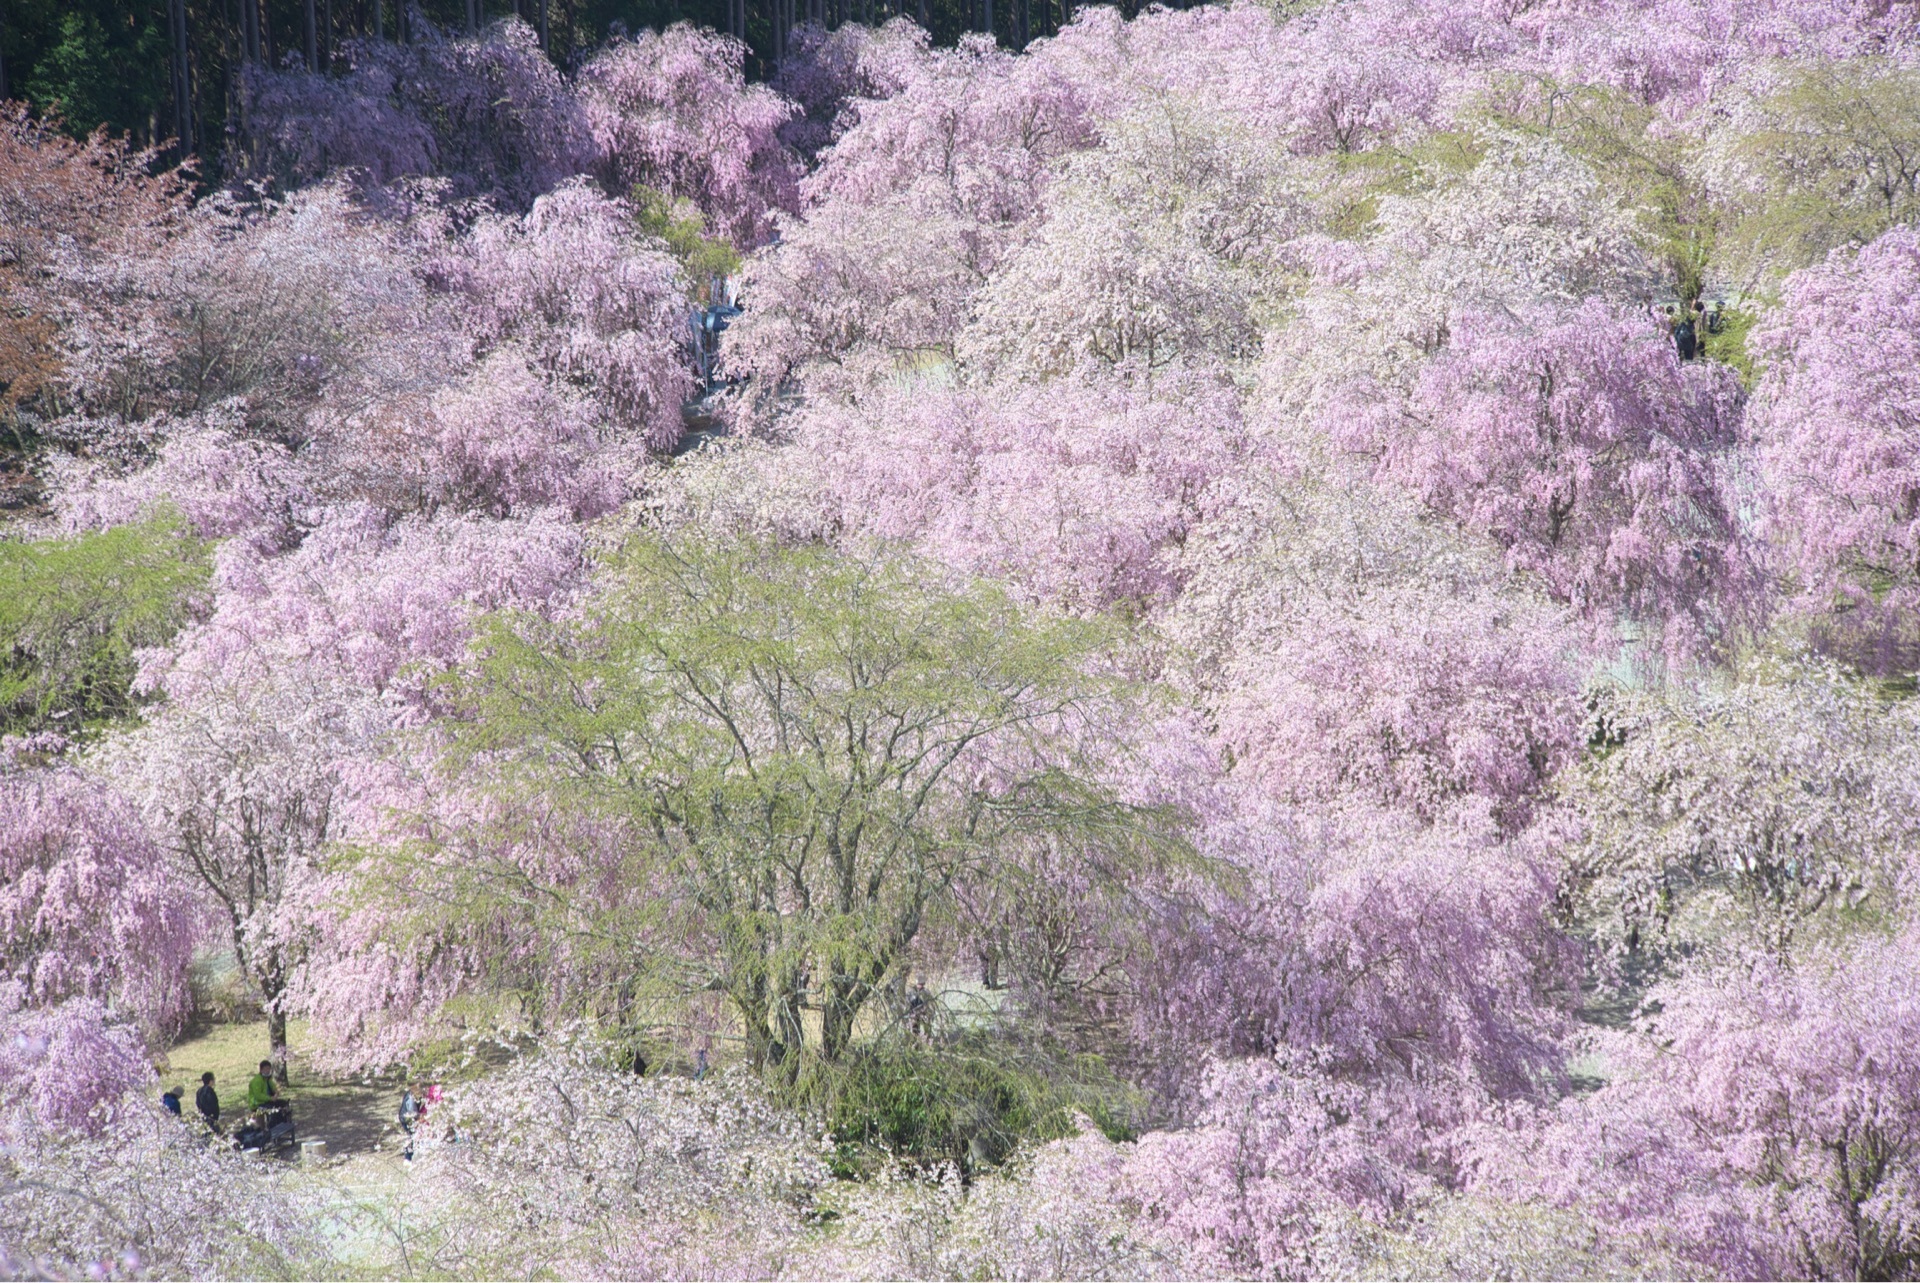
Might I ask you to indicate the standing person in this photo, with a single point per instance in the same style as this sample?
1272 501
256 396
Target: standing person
410 1111
700 1062
260 1086
207 1101
919 1008
1685 337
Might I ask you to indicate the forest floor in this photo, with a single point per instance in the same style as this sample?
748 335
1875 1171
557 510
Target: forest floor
353 1115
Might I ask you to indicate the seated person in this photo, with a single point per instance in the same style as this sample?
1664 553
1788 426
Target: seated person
260 1087
170 1100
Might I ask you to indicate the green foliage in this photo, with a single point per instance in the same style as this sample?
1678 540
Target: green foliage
1834 155
73 612
110 72
790 758
1729 346
968 1101
1653 171
1363 178
683 227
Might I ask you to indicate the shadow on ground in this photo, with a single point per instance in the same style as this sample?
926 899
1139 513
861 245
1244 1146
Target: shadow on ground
353 1116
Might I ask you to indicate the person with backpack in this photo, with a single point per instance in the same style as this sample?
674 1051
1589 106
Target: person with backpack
207 1101
1686 337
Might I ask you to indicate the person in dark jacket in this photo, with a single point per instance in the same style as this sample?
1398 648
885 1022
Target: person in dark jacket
170 1100
207 1101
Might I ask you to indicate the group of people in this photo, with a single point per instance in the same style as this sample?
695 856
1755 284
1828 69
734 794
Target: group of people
261 1092
1690 325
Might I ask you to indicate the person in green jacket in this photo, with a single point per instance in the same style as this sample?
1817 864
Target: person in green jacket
260 1086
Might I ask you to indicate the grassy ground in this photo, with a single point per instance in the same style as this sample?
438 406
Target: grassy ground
353 1116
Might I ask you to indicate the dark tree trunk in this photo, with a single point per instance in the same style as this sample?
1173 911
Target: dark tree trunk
543 29
313 37
182 78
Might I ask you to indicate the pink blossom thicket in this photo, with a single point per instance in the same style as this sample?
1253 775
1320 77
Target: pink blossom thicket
1387 986
64 1068
1679 51
1577 442
1765 1123
1412 701
624 1177
826 71
1836 427
672 110
1158 246
487 112
376 606
266 311
909 210
88 910
588 300
1081 492
224 484
131 1192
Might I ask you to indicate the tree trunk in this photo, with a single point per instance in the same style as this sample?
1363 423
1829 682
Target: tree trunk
543 29
313 37
182 79
277 1041
845 996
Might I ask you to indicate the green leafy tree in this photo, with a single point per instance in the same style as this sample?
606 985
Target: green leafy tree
110 73
800 756
1830 157
73 612
680 224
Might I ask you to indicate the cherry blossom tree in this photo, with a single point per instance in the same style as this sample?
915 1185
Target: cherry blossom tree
88 911
488 112
672 111
1761 1124
1158 246
587 299
915 204
1833 431
240 789
67 1066
1761 807
1081 492
65 208
96 1180
1577 442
